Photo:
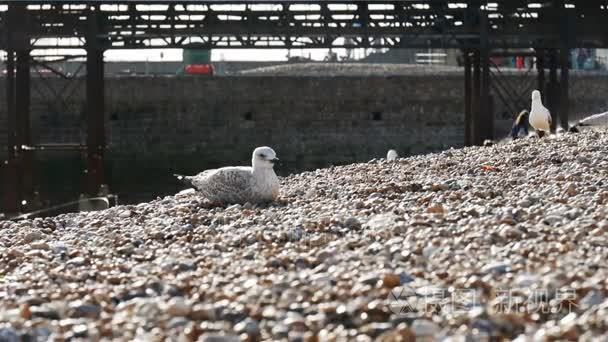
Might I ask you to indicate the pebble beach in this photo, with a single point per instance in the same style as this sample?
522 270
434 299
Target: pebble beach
501 242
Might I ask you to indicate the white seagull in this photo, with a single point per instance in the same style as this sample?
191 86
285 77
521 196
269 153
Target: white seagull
240 184
391 155
595 120
540 118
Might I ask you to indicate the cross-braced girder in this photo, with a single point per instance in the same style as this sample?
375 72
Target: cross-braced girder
312 24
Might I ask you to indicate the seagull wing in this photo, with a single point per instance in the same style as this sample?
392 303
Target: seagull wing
228 184
198 181
547 114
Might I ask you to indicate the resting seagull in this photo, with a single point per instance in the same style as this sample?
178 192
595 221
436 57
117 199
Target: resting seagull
391 155
540 118
240 184
595 120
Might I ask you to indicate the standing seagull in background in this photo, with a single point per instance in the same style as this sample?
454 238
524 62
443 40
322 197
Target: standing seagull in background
520 123
391 155
240 184
540 118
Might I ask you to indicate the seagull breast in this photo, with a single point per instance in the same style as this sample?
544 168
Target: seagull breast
540 118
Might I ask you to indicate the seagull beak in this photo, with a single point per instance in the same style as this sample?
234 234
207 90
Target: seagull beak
274 160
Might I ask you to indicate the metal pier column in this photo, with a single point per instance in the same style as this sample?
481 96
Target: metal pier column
540 77
485 109
18 168
475 117
94 106
11 197
467 98
567 35
22 107
564 100
552 88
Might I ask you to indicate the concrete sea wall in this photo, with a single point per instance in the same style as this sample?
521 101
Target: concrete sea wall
159 125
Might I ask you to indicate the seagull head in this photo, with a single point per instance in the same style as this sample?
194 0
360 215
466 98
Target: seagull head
391 155
535 95
263 157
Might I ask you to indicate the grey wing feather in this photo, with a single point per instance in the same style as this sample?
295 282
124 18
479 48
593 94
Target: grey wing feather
198 181
230 184
192 180
549 118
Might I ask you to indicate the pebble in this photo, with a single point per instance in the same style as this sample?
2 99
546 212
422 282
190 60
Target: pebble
248 326
77 261
436 209
592 299
360 252
424 328
40 245
382 221
32 236
218 338
352 223
497 268
177 306
524 203
8 334
80 310
391 280
124 214
553 220
44 312
375 329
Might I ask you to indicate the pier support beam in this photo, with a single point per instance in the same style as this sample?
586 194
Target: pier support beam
22 107
567 36
564 102
467 98
475 113
485 108
18 188
94 106
540 76
482 115
11 195
552 99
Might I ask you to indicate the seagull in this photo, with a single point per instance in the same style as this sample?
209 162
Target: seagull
391 155
520 123
594 120
239 184
540 118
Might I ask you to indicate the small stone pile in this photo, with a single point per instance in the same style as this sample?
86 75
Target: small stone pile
509 240
352 69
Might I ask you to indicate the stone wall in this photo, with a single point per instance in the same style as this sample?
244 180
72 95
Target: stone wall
157 126
304 118
132 68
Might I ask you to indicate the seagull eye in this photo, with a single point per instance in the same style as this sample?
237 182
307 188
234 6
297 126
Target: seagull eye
262 155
